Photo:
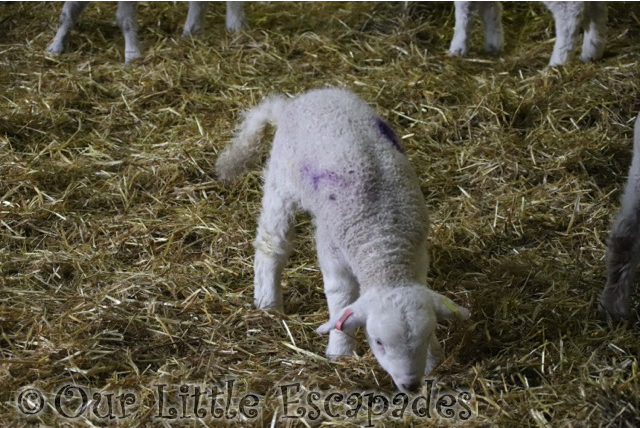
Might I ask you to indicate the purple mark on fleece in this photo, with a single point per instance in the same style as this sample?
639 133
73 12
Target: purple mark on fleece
389 134
317 176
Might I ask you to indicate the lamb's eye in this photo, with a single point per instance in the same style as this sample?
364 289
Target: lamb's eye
378 342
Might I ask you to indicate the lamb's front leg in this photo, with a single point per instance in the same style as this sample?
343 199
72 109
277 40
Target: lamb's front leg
126 17
69 15
341 289
434 354
462 30
491 12
568 19
273 246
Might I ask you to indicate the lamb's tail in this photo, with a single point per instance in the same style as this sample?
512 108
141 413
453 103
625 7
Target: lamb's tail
244 147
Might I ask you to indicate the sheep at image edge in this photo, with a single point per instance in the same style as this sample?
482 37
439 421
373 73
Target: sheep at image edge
335 158
623 245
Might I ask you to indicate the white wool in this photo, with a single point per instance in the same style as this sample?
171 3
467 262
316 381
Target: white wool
126 18
569 17
335 158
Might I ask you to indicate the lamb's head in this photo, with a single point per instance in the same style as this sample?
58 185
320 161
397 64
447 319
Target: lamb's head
400 327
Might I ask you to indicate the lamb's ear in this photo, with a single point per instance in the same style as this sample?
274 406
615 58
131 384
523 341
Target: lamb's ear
348 319
445 309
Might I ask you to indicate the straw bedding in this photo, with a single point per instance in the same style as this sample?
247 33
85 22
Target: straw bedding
125 263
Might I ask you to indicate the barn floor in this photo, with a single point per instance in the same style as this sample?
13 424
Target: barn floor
126 266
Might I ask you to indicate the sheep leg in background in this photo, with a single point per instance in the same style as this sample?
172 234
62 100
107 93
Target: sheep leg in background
623 252
273 246
462 30
491 12
567 16
71 10
195 18
595 33
235 16
235 19
341 289
126 17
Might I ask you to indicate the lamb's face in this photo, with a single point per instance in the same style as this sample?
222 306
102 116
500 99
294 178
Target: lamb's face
399 338
400 325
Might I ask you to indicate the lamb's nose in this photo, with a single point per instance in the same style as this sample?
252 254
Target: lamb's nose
412 386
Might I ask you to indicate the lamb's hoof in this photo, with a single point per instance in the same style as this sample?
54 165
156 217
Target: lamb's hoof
340 344
458 51
131 56
612 312
613 302
333 356
274 307
191 31
235 25
55 48
557 60
590 56
493 50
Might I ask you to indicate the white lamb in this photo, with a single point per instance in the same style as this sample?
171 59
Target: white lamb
126 17
623 251
569 17
334 157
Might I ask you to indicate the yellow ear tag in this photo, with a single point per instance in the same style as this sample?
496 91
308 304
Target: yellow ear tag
449 304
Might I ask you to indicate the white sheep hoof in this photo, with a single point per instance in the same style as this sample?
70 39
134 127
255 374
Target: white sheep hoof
192 30
458 50
131 55
55 47
235 24
593 53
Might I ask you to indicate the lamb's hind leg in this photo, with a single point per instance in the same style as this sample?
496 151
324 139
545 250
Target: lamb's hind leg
491 12
235 16
273 246
195 18
595 33
69 15
341 289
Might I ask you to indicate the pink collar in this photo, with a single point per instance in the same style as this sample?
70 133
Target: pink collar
346 314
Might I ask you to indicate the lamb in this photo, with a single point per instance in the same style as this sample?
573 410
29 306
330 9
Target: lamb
335 158
126 17
568 17
623 252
